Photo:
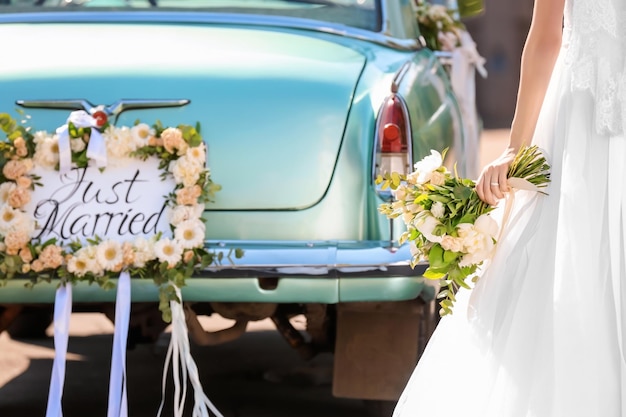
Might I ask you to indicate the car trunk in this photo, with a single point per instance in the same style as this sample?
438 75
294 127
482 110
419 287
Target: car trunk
272 104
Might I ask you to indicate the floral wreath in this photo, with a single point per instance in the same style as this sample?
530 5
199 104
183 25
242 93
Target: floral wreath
169 261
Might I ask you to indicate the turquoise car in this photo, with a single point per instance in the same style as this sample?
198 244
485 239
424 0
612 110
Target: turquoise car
302 103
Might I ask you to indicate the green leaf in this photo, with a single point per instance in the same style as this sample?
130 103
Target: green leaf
449 256
395 179
435 256
431 274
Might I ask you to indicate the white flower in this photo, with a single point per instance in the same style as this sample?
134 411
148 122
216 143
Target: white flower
426 225
182 213
144 251
197 154
415 251
437 178
77 145
13 220
185 171
109 254
81 264
486 225
84 261
169 251
47 150
141 133
190 233
425 167
451 243
119 142
5 190
438 209
478 239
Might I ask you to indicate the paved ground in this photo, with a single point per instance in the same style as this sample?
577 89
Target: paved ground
244 378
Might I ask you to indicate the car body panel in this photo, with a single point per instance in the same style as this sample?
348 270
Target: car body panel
230 75
244 75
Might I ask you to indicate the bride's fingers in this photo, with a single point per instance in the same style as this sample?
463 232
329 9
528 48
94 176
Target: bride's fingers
486 190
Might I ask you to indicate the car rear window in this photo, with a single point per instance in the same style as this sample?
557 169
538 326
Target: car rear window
362 14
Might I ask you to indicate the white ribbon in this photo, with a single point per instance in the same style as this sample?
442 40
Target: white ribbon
515 184
62 313
96 149
118 402
183 365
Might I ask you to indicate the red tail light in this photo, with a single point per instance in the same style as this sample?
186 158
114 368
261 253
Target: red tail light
392 125
393 151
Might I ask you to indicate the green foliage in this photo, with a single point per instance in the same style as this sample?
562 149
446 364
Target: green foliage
441 210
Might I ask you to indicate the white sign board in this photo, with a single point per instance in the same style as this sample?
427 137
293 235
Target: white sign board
120 202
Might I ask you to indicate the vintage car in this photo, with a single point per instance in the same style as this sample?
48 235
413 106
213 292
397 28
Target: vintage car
302 103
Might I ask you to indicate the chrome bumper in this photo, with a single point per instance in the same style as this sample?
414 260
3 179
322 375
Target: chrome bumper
300 272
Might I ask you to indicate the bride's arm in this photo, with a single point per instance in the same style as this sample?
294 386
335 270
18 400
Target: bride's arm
540 52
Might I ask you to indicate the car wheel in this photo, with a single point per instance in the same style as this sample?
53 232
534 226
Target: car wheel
31 323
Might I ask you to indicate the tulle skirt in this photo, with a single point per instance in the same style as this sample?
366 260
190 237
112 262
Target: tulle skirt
542 332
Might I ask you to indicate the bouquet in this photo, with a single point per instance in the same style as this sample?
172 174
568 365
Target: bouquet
447 223
439 26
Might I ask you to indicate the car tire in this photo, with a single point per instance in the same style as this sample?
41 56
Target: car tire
31 323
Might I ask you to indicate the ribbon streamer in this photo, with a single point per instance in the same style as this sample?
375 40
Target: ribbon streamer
515 184
96 148
183 365
62 313
118 402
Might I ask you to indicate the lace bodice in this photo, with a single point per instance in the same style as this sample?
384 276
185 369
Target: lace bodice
595 31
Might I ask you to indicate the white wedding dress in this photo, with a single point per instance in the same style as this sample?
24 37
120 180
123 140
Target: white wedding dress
543 333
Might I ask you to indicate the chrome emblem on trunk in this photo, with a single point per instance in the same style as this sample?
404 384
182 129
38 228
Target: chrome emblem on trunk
114 109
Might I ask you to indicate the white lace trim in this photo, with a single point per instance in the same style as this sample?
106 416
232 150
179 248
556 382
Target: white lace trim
596 40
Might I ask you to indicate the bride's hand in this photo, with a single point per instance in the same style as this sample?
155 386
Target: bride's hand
492 183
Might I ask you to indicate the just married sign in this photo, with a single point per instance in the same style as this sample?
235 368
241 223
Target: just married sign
95 202
121 203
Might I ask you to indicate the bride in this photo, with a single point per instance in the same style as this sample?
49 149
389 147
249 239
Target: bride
543 332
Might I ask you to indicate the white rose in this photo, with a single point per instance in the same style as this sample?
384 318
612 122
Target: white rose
119 142
437 178
451 243
425 167
486 225
426 225
438 209
478 239
77 145
181 213
144 252
185 172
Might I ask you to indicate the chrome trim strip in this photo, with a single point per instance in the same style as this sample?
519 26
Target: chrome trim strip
213 18
114 109
320 259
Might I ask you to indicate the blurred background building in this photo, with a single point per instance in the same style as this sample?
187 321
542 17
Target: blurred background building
499 34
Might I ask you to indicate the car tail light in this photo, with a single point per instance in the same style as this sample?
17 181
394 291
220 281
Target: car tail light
393 145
